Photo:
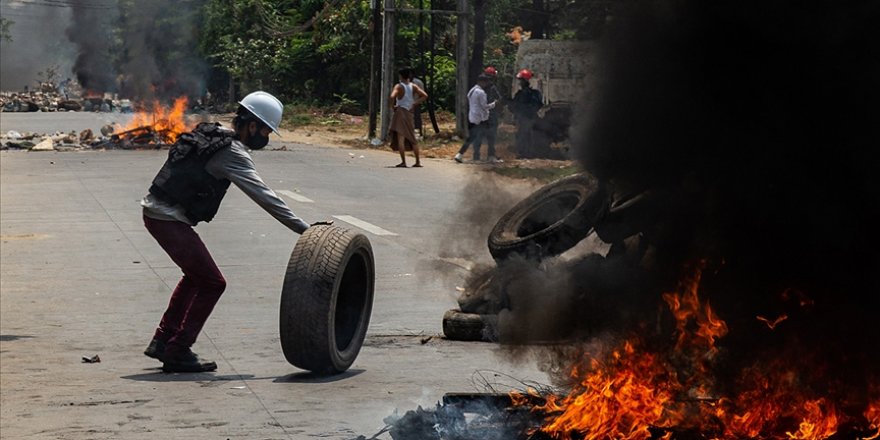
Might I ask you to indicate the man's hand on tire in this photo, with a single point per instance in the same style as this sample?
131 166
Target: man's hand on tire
322 223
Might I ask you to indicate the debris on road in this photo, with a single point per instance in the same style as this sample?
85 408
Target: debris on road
91 360
44 145
140 138
491 416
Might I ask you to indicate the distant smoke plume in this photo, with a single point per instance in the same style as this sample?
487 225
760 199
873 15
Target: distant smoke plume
160 54
37 43
140 49
91 31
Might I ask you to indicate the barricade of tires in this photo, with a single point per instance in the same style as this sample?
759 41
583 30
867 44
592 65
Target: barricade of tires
542 226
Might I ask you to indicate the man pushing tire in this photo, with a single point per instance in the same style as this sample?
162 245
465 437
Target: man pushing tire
187 190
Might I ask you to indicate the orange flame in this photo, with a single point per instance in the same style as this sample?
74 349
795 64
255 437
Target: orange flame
631 391
168 122
820 422
522 399
688 311
772 323
620 399
872 414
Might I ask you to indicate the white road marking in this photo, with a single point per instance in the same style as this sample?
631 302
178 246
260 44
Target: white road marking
369 227
296 197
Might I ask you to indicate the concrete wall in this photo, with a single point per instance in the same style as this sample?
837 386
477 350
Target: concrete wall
563 70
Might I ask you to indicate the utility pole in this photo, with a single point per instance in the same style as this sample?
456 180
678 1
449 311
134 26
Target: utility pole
387 64
375 65
461 60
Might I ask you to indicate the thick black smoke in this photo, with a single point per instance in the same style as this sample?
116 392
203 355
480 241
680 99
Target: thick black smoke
35 45
141 49
90 30
755 124
160 56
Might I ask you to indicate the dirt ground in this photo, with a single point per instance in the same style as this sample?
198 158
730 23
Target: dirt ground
343 130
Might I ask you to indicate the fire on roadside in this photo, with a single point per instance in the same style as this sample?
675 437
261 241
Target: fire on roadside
164 124
639 391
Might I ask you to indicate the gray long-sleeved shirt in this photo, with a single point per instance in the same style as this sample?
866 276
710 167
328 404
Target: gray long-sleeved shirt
237 166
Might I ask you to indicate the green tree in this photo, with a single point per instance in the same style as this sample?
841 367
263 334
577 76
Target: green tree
319 51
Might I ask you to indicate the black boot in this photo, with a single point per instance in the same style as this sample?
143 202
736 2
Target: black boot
156 350
185 361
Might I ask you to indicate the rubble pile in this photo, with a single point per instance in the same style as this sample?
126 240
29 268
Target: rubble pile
109 138
52 100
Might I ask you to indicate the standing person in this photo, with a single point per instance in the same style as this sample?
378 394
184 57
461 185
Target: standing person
478 115
492 95
187 190
404 97
417 109
526 103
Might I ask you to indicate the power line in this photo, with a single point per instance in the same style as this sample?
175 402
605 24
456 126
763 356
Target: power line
62 4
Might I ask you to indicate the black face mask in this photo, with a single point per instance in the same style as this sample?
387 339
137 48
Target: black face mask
257 141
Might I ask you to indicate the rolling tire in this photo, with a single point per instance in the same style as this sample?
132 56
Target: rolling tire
550 220
460 326
327 299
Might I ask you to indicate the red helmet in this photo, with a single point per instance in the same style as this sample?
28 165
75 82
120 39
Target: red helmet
490 71
525 74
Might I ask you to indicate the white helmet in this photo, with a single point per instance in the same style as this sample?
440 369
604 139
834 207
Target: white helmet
265 107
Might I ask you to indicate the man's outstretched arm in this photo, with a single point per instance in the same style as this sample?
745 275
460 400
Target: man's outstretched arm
236 165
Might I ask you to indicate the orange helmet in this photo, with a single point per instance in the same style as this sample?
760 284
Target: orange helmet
490 71
525 74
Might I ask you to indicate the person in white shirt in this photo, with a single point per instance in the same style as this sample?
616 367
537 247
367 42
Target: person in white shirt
478 117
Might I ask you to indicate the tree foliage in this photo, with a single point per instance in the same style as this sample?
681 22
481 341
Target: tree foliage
319 51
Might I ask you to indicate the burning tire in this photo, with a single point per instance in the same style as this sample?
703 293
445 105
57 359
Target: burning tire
551 220
460 326
627 215
327 299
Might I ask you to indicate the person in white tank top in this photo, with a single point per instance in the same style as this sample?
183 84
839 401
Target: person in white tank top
407 101
405 96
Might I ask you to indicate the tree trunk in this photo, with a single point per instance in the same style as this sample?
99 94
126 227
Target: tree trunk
476 65
541 19
375 67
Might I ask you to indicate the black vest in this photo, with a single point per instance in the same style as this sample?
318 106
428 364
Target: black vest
183 179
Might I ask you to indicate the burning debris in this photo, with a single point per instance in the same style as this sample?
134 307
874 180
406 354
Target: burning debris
653 384
154 129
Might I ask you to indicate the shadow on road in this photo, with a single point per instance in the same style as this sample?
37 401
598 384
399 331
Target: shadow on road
309 377
157 375
8 338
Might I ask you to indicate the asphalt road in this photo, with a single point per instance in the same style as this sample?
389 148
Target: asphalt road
65 122
79 276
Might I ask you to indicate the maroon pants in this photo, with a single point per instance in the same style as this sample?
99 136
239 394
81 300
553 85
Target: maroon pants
197 292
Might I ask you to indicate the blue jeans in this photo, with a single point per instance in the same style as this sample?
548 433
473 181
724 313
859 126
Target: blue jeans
476 133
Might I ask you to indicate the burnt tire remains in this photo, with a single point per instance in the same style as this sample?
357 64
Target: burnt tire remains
460 326
327 299
550 220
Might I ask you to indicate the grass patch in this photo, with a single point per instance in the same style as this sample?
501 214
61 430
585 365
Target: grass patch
544 174
297 115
